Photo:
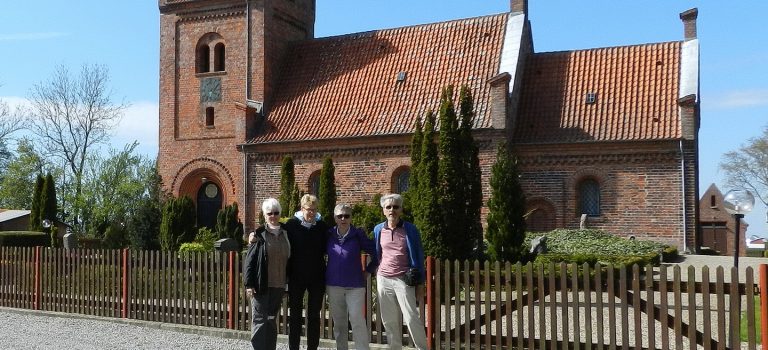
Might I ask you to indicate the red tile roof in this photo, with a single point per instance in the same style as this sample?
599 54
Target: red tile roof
346 86
636 95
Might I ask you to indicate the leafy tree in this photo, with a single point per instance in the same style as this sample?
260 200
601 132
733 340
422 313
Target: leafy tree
228 225
114 187
748 167
115 236
35 223
143 227
473 191
428 219
450 179
366 215
17 183
178 223
287 184
5 158
506 224
71 116
327 191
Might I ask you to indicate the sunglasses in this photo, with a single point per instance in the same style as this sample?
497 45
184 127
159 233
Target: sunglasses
343 216
275 213
393 207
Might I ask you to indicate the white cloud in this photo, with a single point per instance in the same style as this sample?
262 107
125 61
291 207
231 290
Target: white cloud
139 123
31 36
744 98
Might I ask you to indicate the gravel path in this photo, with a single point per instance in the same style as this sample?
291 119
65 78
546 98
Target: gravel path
19 330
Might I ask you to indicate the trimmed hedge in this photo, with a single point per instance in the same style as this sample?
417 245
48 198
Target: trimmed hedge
24 239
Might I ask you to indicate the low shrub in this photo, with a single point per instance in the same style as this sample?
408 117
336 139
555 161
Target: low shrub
595 246
192 247
24 239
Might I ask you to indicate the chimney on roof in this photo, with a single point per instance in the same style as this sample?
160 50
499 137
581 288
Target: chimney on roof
689 21
518 6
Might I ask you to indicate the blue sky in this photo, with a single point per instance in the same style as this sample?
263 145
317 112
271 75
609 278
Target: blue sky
37 36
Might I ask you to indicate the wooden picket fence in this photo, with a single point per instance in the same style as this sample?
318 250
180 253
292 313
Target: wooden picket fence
469 304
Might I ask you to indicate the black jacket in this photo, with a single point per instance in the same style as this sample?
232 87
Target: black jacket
255 266
307 263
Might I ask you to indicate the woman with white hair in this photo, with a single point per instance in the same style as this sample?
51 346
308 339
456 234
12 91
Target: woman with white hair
401 274
265 275
345 278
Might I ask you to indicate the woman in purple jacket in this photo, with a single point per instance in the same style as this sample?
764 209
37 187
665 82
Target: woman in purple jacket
346 280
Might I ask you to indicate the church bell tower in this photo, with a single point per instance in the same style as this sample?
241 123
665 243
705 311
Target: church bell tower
219 64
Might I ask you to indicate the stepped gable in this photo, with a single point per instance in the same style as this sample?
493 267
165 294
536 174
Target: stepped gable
636 95
347 86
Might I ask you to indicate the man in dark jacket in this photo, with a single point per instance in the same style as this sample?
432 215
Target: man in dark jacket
306 271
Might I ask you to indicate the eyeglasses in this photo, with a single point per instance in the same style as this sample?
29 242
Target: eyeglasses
275 213
309 209
343 216
393 207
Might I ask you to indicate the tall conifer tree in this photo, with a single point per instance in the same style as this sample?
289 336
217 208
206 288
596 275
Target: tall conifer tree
506 223
327 191
429 219
450 177
287 183
34 215
473 191
412 195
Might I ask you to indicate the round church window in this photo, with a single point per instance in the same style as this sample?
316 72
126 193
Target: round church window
211 190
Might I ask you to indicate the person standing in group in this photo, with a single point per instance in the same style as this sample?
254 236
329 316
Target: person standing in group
400 275
306 272
345 278
265 275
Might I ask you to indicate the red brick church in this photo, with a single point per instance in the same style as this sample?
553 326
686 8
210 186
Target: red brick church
607 136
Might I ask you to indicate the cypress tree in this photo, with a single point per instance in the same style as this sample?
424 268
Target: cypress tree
48 207
228 225
287 183
178 223
35 223
473 191
450 177
327 191
506 223
429 220
412 195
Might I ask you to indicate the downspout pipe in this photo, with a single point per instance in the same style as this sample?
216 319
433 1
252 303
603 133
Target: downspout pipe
682 184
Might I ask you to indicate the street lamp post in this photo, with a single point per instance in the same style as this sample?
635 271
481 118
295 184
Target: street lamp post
738 203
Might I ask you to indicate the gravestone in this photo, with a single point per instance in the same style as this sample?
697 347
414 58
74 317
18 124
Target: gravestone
70 241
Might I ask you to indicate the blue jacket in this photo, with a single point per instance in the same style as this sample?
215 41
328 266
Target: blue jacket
344 266
412 241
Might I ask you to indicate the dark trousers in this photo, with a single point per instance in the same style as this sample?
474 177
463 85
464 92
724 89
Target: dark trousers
296 292
264 308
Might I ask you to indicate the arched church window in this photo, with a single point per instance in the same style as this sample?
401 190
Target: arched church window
314 183
219 57
203 59
589 197
400 179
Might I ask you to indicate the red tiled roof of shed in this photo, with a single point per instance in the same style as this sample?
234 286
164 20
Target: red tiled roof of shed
636 95
346 86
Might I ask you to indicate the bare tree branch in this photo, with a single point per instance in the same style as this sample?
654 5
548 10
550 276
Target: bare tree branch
72 115
10 121
748 167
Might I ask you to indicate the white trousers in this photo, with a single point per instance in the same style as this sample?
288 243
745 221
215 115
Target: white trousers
348 302
396 297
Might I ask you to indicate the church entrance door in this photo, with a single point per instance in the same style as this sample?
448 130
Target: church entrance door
208 205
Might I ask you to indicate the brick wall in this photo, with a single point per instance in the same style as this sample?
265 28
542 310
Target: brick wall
640 187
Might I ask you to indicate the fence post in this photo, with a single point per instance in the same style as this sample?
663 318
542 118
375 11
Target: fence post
430 316
37 278
764 304
231 294
126 276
